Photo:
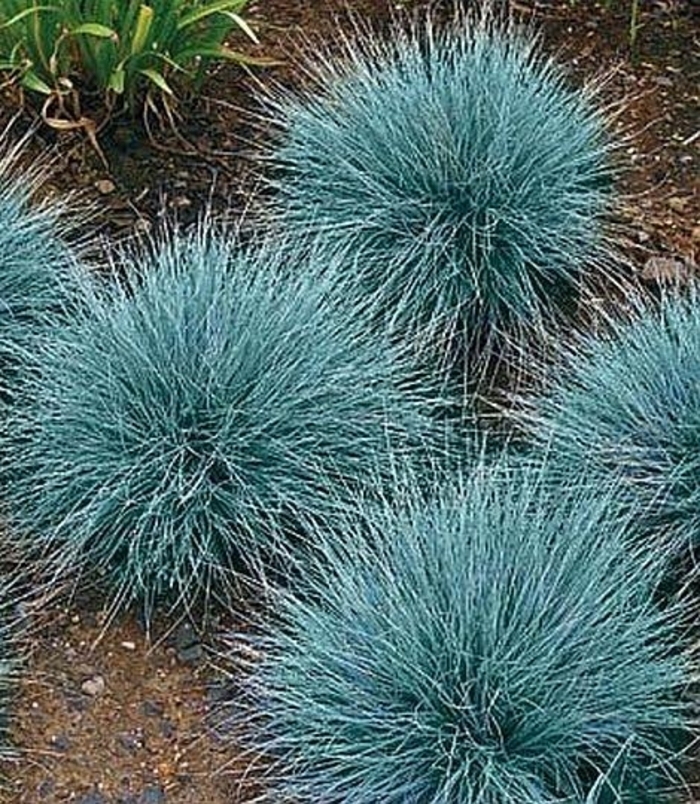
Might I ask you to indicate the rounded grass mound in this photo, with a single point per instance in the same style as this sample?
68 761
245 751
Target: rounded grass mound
493 646
183 427
39 280
629 400
465 179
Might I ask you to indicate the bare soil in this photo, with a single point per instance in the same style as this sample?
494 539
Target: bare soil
107 715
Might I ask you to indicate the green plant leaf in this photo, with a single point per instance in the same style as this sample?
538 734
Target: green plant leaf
116 81
30 80
223 52
206 11
143 26
95 29
243 25
26 13
158 79
243 58
109 46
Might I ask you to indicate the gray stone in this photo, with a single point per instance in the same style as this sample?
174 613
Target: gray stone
188 646
93 798
93 686
60 742
131 741
105 186
191 655
152 708
152 795
167 729
46 789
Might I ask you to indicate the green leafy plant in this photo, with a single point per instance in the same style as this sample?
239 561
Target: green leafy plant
185 427
488 643
465 180
628 400
121 50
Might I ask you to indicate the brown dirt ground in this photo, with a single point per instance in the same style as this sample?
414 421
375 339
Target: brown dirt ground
143 737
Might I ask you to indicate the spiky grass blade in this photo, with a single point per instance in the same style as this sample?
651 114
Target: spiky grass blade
9 670
465 178
15 603
488 645
181 428
628 400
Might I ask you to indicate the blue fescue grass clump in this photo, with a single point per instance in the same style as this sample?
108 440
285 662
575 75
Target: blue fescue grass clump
487 644
628 399
39 280
185 424
467 182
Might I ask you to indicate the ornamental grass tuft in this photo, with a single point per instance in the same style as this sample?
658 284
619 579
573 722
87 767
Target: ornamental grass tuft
39 280
627 400
466 180
186 424
490 645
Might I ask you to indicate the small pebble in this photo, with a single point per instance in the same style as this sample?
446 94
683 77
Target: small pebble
93 686
46 788
131 741
188 647
191 654
60 742
152 795
142 226
93 798
128 645
152 708
677 204
180 202
105 186
167 729
184 636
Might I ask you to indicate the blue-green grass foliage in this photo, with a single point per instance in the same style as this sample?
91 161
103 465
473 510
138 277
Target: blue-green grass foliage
488 644
39 279
628 399
9 669
14 632
185 424
466 180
